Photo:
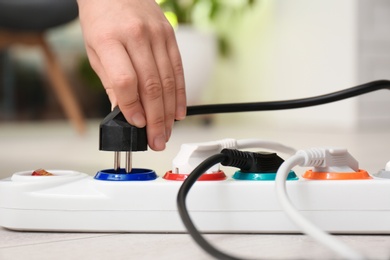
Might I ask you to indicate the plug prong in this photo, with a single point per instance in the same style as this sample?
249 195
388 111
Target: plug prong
117 161
128 162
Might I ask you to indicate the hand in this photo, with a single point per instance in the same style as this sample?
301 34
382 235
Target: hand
132 48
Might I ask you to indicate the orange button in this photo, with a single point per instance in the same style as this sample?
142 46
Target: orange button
359 175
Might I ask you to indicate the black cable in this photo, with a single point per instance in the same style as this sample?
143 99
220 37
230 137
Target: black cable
289 104
227 157
220 158
182 207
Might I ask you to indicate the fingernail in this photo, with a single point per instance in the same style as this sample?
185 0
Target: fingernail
168 133
181 113
159 143
138 120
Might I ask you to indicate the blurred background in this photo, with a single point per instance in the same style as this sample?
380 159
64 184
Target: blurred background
259 50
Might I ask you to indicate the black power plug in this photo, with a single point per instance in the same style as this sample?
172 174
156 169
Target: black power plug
117 135
254 165
251 162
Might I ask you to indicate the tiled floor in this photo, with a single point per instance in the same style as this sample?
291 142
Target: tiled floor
176 246
55 145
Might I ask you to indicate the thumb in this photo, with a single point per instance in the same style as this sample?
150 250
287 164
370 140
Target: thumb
112 98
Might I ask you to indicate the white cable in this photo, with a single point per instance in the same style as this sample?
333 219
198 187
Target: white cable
307 227
192 154
257 143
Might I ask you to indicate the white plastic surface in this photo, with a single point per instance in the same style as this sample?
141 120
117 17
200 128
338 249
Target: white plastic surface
192 154
72 201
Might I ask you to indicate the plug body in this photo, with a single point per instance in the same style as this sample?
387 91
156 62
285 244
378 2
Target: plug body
116 134
255 166
249 162
384 173
331 164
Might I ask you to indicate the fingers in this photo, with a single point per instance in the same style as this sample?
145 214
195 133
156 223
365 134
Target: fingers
168 84
150 88
177 67
97 67
121 80
132 48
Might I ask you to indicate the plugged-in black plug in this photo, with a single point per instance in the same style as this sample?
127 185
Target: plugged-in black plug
254 166
117 135
251 162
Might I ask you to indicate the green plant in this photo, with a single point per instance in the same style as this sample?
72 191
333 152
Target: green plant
88 75
208 13
184 9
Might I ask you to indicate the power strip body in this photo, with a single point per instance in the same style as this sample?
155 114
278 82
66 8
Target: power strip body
73 201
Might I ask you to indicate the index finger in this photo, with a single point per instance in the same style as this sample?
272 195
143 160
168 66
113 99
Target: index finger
123 80
150 92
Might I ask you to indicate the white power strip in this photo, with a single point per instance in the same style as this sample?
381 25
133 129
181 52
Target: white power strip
73 201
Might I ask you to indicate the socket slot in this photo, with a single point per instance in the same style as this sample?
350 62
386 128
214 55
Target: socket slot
214 176
136 174
24 176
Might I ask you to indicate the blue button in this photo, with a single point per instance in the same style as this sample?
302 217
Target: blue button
136 174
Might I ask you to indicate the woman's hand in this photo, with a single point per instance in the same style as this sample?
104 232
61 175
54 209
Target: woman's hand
132 47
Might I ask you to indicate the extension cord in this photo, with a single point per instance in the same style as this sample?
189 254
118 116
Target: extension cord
74 201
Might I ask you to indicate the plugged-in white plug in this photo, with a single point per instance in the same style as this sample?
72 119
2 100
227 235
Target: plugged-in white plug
329 160
384 173
387 168
331 164
192 154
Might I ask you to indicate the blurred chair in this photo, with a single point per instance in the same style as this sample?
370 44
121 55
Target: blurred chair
25 22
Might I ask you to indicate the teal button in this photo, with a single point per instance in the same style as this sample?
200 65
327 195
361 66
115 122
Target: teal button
256 176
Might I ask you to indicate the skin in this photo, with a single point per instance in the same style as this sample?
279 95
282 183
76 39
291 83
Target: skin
132 47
